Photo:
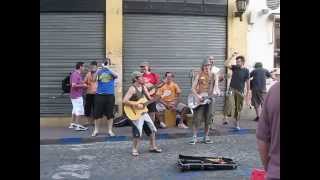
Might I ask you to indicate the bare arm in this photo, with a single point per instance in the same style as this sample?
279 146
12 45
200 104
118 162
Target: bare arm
228 61
147 93
263 149
95 75
248 86
194 86
126 98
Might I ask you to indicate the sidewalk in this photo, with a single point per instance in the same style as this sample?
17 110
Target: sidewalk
70 136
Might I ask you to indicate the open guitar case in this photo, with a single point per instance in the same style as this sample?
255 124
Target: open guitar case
189 163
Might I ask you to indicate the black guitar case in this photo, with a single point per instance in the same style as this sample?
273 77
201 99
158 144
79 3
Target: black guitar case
189 163
121 121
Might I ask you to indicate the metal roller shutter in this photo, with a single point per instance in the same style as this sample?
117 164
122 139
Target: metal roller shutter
273 4
66 38
173 43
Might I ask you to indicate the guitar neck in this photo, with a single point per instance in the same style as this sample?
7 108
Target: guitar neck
155 86
149 102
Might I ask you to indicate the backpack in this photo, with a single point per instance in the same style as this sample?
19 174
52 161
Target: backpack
65 84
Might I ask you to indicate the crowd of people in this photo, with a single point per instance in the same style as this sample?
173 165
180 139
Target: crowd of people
244 87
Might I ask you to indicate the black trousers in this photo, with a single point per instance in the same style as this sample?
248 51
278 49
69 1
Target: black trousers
89 105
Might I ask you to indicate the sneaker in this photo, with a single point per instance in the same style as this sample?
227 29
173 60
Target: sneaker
193 140
237 125
182 126
162 125
111 134
81 128
95 133
72 125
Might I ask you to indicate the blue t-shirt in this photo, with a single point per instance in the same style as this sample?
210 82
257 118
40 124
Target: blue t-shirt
105 82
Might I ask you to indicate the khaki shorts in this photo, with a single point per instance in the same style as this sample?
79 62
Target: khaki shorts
257 98
204 113
234 104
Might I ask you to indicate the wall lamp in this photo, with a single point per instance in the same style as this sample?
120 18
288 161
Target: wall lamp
241 8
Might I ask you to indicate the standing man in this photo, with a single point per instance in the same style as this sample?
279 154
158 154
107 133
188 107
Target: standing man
239 79
91 91
216 72
152 81
258 87
268 133
228 110
76 91
134 93
204 83
104 99
169 95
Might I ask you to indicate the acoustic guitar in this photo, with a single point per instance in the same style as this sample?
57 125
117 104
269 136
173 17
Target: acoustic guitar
134 113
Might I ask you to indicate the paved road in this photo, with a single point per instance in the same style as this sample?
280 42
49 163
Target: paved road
112 160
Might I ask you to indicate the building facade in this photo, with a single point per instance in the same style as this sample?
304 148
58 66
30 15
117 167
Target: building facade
173 35
264 33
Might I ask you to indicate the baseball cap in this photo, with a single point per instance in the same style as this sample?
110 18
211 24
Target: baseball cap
205 62
135 74
144 64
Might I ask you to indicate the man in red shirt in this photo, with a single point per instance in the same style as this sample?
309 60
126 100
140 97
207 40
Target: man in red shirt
152 81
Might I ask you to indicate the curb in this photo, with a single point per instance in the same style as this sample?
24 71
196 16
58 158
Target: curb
160 136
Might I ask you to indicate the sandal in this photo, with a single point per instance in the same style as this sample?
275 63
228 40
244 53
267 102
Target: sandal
156 150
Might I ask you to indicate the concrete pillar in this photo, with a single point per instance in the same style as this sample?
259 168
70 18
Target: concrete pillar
114 43
237 33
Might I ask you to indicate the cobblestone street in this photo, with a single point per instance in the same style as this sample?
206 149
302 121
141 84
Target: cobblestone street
112 160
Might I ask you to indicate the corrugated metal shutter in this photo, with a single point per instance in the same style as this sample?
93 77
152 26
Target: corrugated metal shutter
273 4
173 43
66 38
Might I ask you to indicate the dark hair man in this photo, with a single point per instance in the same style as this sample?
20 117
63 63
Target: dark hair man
76 92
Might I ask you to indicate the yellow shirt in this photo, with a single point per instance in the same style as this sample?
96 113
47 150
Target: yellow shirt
169 92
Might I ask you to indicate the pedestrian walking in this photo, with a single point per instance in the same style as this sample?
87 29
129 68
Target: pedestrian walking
239 80
258 87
